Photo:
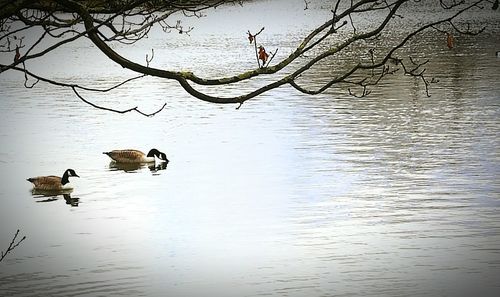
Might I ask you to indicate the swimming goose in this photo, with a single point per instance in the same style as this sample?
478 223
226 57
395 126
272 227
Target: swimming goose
52 182
135 156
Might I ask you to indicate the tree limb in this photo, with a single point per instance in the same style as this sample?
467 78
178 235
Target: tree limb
105 23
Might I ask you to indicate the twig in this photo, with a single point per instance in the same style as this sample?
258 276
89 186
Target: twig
136 109
74 87
148 60
253 38
272 56
352 23
13 244
26 79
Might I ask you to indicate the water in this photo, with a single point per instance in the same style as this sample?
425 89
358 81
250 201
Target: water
395 194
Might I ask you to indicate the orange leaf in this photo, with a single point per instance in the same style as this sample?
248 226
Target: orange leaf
18 55
262 54
250 37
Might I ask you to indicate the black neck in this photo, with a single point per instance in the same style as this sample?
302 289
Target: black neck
152 153
65 178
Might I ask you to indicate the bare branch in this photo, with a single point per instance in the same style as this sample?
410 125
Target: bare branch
74 87
115 110
383 61
13 244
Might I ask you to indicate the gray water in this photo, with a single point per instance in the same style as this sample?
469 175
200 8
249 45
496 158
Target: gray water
394 194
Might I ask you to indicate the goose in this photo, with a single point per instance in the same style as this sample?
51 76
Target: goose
135 156
52 182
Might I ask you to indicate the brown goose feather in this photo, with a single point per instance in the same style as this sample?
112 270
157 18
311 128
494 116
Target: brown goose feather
50 182
127 156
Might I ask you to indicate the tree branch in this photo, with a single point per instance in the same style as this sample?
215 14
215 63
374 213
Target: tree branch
13 244
74 87
116 110
130 21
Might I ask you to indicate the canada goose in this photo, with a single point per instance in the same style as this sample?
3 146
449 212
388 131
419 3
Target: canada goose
52 182
135 156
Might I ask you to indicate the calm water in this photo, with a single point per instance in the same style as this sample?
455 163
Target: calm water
396 194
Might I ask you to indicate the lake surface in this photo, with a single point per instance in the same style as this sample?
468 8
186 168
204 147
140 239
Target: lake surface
394 194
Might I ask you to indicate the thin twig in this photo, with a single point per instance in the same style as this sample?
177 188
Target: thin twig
136 109
13 244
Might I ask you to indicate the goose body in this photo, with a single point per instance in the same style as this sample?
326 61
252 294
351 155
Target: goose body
52 182
136 156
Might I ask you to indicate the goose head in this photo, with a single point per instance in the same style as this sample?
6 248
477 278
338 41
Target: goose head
158 154
67 174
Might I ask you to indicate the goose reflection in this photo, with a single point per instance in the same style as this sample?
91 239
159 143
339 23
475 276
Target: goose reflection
50 193
50 196
134 167
71 201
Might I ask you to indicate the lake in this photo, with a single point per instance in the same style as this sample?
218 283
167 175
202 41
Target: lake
393 194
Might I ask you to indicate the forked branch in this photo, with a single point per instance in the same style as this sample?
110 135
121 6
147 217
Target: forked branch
12 245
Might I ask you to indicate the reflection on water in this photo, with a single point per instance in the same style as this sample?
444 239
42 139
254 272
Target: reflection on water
395 194
134 167
53 195
41 192
73 201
